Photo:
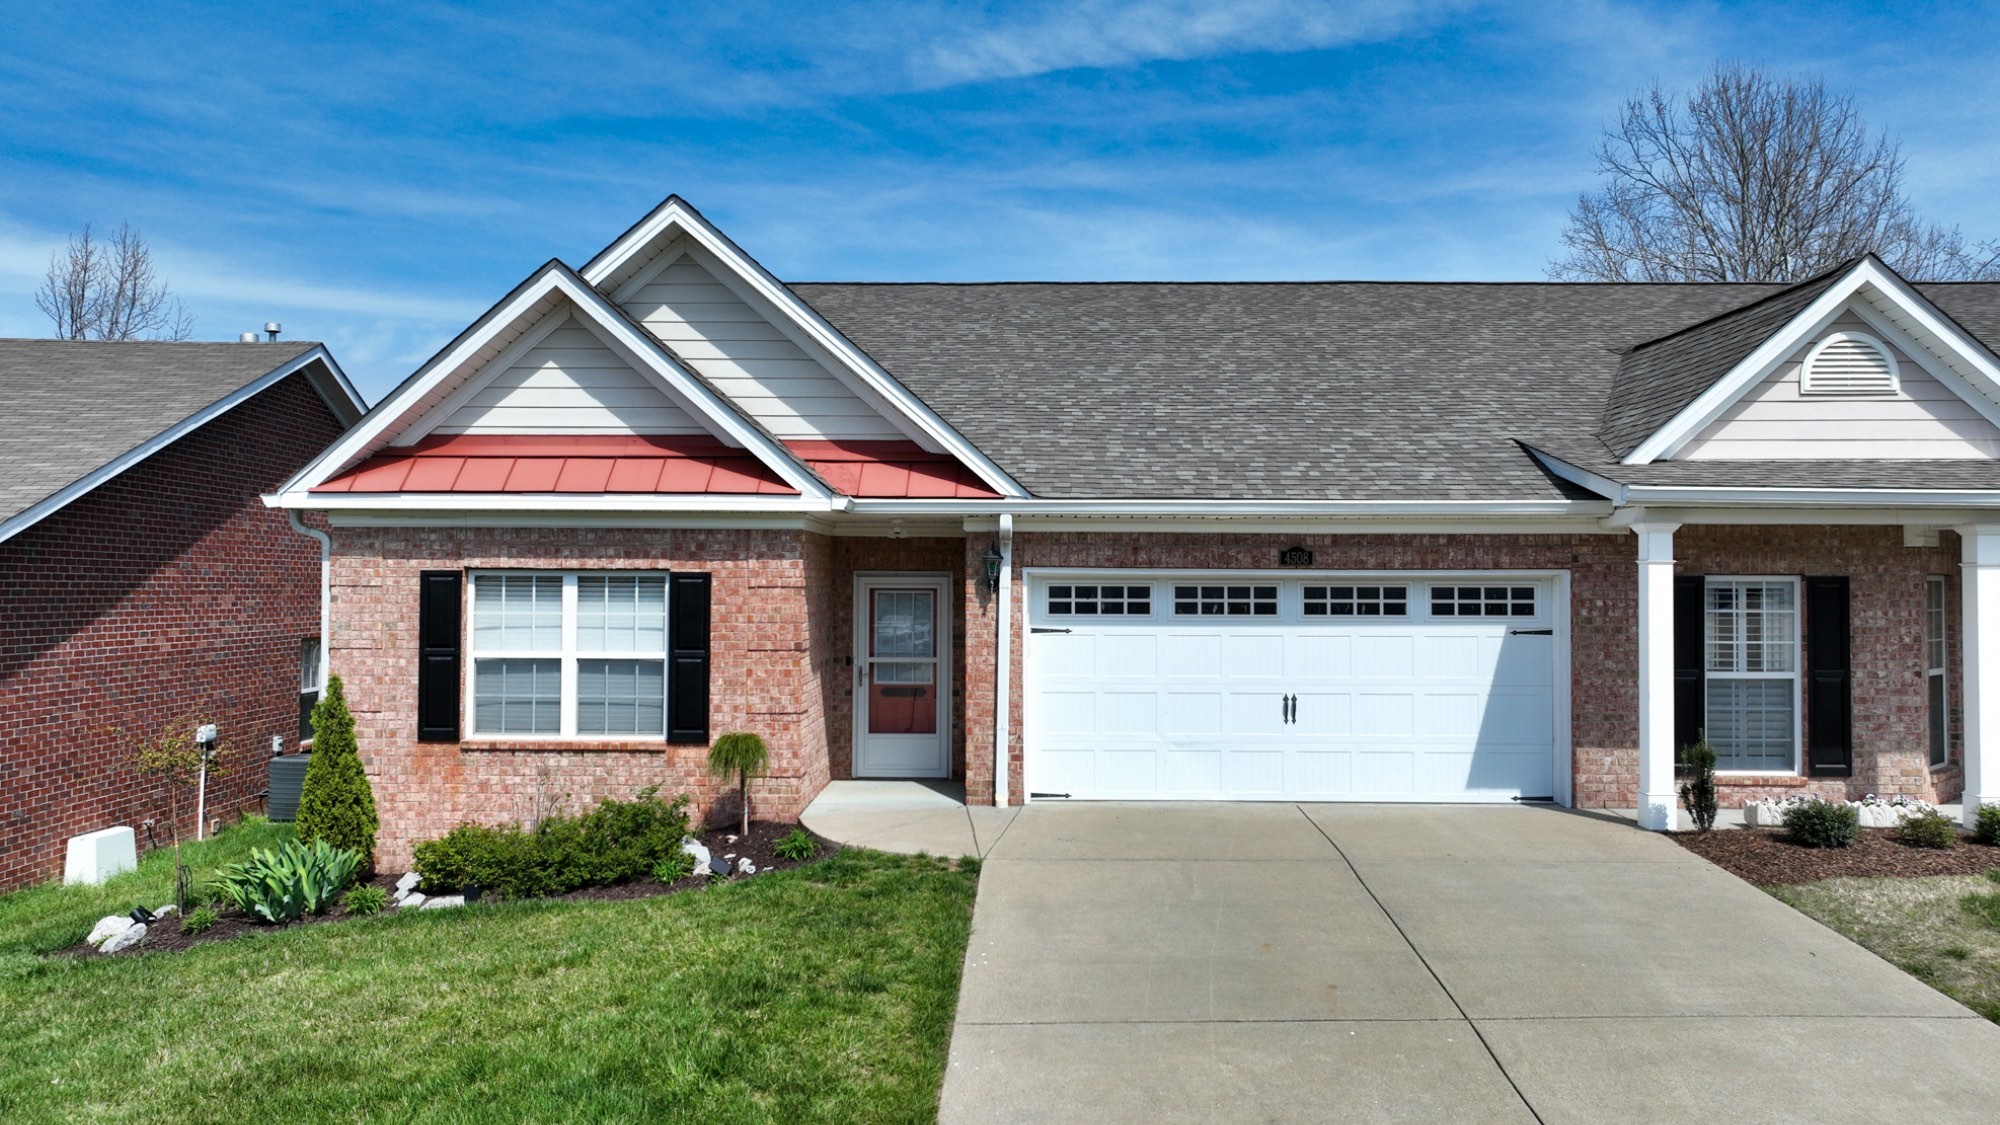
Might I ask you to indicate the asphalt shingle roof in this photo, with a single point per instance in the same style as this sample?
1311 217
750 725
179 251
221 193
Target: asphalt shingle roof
68 407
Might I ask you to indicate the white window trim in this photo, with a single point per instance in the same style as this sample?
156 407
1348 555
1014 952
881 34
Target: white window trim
1943 669
1796 675
569 657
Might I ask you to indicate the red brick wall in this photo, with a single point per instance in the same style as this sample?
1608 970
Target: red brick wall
1888 590
764 675
169 592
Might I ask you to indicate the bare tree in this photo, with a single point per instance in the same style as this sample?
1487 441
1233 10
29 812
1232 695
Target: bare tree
99 290
1751 178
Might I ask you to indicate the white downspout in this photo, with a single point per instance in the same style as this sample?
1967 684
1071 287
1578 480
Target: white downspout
1003 669
325 590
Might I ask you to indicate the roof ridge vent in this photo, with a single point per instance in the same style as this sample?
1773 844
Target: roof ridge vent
1849 365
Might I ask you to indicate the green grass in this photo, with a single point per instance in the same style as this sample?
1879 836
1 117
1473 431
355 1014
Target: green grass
52 916
823 993
1945 931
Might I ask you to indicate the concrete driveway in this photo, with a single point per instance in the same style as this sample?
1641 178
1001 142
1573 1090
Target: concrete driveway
1262 962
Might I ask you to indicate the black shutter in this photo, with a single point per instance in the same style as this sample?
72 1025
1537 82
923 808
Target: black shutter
1690 635
1829 684
440 607
687 659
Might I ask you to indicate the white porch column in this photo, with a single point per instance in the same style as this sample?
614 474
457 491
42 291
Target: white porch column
1657 800
1980 566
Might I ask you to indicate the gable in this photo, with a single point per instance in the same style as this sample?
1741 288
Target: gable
746 357
1920 419
569 380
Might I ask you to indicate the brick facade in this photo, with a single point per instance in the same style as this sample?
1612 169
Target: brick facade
168 593
784 646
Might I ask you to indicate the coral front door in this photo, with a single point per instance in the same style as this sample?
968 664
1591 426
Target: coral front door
901 676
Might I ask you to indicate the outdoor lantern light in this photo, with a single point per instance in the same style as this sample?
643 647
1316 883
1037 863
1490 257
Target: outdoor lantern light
993 561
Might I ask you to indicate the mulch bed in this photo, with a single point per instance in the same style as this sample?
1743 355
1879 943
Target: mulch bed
166 936
1767 857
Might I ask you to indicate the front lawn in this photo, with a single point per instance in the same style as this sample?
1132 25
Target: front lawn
1919 925
821 993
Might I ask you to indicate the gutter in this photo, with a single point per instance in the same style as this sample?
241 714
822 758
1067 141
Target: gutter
325 592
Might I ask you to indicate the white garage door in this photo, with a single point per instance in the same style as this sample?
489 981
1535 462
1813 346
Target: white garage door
1231 687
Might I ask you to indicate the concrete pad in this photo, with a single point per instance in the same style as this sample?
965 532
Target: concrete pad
1061 941
889 794
946 832
1139 830
989 824
1113 1073
1481 832
1752 1070
1634 939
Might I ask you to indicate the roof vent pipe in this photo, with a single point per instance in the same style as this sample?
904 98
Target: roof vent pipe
272 328
248 338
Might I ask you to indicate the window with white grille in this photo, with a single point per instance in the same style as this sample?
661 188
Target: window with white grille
1486 601
569 654
1751 655
1357 601
1070 600
1225 601
1849 364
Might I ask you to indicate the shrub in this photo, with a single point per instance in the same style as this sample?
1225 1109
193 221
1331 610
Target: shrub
198 921
674 868
797 844
1820 823
1698 790
616 842
1986 826
1931 829
336 803
282 884
364 900
739 754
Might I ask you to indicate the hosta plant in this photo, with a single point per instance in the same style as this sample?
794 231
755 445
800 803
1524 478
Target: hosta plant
284 884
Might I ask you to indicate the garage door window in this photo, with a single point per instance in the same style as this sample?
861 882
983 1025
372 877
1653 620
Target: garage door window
1225 601
1482 601
1752 657
1357 601
1100 601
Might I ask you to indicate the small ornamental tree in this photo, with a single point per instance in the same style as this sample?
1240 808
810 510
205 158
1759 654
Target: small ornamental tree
739 754
1698 782
176 759
336 803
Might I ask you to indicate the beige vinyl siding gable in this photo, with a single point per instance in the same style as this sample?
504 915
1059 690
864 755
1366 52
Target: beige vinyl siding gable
1923 421
569 382
753 364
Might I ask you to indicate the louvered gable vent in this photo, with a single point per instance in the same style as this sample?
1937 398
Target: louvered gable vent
1849 364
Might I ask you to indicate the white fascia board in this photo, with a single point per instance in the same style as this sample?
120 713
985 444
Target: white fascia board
713 521
549 502
676 215
1647 494
1222 509
62 498
1624 518
635 346
1965 367
1297 525
1723 393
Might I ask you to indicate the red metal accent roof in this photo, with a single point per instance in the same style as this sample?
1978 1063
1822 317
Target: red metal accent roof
581 463
890 470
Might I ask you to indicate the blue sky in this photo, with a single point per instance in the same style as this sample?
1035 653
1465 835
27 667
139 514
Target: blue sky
376 176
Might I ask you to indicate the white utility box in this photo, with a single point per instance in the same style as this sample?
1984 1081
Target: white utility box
97 856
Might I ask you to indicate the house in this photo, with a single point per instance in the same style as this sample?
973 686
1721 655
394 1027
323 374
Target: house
142 581
1317 542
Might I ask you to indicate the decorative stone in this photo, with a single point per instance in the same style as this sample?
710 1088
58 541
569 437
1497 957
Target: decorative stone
441 902
124 939
745 867
408 883
700 853
109 926
412 899
166 910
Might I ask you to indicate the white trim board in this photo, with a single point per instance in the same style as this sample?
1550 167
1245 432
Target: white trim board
942 636
348 412
613 266
1890 306
469 357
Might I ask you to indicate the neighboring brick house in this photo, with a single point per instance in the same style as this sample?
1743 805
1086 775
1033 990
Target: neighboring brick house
1304 542
141 579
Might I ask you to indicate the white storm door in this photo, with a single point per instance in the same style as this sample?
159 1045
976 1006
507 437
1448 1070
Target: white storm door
902 673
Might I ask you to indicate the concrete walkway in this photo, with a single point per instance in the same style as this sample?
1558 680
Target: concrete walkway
906 816
1417 963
